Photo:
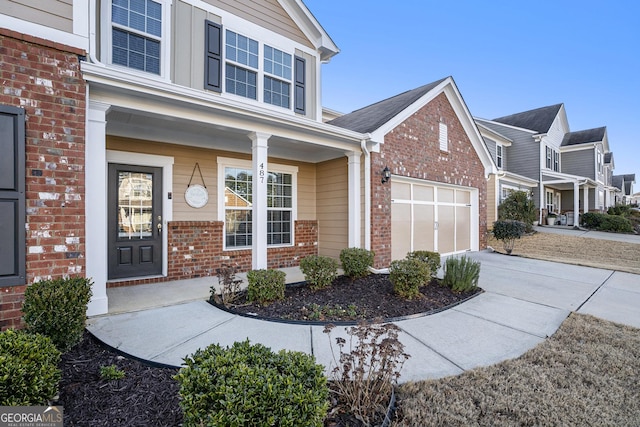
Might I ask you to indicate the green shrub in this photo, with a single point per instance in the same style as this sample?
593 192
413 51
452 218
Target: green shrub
247 384
431 258
356 262
519 206
592 220
319 271
111 372
407 276
623 210
461 274
265 285
29 373
58 309
508 231
616 223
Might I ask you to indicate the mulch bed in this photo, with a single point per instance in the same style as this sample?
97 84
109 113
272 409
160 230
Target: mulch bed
148 395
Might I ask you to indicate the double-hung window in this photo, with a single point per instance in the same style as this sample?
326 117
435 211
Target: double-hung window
277 77
242 65
136 34
499 156
553 159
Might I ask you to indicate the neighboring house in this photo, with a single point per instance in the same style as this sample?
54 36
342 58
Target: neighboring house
105 120
565 170
624 183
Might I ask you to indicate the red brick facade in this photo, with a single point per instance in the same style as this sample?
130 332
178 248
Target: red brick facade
44 78
196 250
412 149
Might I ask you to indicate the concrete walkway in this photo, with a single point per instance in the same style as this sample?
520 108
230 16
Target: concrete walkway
524 302
602 235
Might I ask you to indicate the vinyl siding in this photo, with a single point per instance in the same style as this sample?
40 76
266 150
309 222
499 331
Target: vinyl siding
57 14
580 163
492 201
332 207
523 156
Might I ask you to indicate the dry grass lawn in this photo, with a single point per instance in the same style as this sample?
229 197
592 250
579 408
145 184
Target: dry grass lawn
586 251
588 373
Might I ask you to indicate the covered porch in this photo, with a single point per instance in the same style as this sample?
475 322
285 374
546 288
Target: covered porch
563 195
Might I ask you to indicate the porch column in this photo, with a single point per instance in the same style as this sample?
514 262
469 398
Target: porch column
354 199
576 204
259 207
543 203
586 199
95 201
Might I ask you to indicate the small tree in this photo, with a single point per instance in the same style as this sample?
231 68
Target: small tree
519 206
508 231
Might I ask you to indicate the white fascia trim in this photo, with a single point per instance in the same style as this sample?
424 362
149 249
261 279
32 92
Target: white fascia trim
519 179
579 147
532 132
80 41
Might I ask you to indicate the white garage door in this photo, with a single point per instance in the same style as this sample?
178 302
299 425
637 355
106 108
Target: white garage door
432 217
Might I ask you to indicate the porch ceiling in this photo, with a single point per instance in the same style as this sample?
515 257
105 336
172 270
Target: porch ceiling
162 128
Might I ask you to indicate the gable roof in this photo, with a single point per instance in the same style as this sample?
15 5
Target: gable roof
584 136
309 25
539 119
608 157
372 117
617 181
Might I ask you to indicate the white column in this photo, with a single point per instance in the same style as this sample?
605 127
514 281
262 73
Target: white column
576 204
96 205
543 203
259 208
586 199
354 199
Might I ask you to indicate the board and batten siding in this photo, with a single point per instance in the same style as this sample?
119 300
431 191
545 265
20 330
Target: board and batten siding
57 14
186 157
332 207
580 163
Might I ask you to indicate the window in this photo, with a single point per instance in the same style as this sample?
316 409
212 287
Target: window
277 89
550 202
238 194
556 161
553 159
241 80
136 34
499 156
600 163
443 137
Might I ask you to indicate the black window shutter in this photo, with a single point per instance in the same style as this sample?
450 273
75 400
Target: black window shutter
213 56
299 93
12 196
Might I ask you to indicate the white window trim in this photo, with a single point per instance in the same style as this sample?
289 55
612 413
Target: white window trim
500 157
507 187
165 42
224 162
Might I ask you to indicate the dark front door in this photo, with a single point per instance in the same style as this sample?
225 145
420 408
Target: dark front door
135 221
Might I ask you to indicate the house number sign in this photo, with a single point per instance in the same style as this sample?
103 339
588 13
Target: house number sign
196 196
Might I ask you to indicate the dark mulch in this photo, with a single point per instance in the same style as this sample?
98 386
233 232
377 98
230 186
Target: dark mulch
351 300
148 396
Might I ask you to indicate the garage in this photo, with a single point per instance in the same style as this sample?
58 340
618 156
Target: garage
433 217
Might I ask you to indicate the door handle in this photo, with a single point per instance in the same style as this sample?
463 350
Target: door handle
159 226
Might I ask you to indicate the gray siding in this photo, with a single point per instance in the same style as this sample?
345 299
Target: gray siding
580 163
57 14
523 156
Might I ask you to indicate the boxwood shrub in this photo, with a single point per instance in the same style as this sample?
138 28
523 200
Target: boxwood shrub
356 262
57 308
249 385
319 271
29 373
431 258
606 222
265 285
407 275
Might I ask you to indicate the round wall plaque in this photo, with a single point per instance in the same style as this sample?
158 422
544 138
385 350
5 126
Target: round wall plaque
196 196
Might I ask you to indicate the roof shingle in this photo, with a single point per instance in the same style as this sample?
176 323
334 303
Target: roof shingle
539 119
584 136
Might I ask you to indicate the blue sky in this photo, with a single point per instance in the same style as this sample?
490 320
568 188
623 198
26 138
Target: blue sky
505 56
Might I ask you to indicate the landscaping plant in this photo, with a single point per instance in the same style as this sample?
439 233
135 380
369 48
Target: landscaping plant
319 271
508 231
249 385
229 284
265 285
408 275
57 308
606 222
111 372
519 206
367 368
461 274
431 258
29 373
356 262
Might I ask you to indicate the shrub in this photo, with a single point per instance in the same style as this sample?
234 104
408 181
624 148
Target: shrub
519 206
508 231
29 373
592 220
431 258
623 210
368 368
616 223
407 276
356 262
111 372
251 385
461 274
229 286
265 285
58 309
319 271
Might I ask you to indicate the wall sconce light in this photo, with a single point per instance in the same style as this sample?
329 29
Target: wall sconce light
386 174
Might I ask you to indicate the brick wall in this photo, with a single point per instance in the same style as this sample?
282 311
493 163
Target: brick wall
196 250
412 149
44 78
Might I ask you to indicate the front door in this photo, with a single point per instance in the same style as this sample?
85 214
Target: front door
135 221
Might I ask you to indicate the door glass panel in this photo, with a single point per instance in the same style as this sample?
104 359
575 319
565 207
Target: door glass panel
400 230
400 191
423 228
463 228
445 195
446 227
423 193
463 197
135 204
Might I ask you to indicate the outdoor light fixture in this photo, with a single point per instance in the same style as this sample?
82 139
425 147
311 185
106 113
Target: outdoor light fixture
386 174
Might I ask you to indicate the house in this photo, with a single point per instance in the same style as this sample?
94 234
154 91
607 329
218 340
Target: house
155 140
535 150
624 183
